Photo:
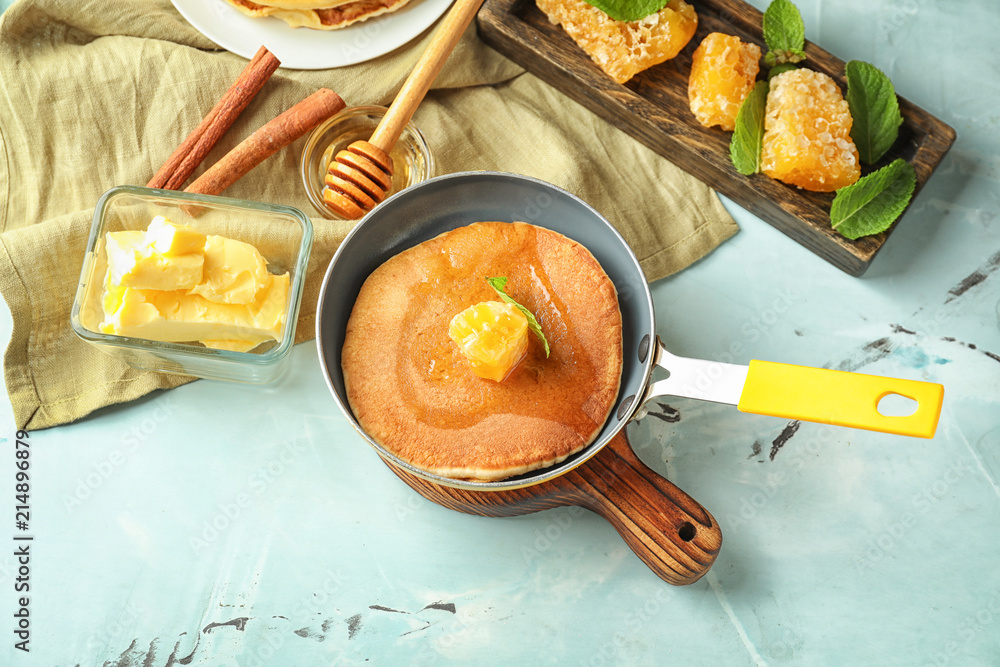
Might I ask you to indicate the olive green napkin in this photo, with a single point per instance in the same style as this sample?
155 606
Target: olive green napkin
95 94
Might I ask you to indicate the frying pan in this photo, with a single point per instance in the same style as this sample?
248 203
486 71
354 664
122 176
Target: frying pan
670 531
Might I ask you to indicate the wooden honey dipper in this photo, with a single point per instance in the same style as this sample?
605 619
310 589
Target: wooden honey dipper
360 176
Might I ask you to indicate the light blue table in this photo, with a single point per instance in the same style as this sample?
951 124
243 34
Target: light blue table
287 541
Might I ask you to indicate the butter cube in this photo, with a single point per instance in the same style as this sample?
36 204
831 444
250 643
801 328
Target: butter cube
167 238
234 272
493 337
270 306
111 300
132 264
179 316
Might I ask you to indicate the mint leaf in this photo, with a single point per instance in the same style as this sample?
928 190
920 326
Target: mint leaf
498 284
780 69
748 134
873 203
784 57
628 10
783 27
875 110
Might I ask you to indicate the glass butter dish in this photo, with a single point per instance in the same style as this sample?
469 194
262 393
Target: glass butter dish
282 235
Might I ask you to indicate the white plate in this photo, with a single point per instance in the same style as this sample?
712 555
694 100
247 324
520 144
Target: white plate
304 48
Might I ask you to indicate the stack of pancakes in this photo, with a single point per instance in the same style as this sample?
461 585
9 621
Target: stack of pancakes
318 14
411 389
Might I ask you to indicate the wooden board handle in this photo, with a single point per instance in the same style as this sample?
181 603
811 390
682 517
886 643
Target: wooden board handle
666 528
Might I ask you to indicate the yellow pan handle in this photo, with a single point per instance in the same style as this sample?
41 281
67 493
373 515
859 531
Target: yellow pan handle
839 398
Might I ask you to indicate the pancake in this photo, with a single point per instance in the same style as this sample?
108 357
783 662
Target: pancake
319 15
412 390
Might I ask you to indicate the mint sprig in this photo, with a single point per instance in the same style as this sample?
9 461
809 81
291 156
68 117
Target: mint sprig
784 34
784 58
499 283
874 108
628 10
780 69
748 134
873 203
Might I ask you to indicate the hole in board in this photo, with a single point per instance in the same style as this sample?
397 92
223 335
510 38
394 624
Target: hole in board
897 405
686 532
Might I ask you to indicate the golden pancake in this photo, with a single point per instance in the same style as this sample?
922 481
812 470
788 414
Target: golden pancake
329 15
412 390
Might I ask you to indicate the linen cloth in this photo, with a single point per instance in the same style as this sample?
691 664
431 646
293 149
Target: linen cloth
98 93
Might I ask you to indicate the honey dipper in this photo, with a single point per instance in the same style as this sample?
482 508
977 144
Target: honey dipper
359 177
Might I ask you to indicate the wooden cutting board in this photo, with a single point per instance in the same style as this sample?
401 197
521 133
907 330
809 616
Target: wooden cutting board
668 530
653 108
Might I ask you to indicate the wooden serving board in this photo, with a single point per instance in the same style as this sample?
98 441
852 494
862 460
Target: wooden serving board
653 108
665 527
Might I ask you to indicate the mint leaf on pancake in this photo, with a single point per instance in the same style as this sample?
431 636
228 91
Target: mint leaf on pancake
498 284
873 203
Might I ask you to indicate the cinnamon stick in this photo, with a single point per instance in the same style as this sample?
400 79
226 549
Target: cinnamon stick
267 140
203 138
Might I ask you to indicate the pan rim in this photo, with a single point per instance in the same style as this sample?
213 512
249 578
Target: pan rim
619 411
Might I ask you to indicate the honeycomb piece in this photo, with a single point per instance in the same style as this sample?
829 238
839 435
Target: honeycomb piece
723 71
623 49
807 133
493 336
